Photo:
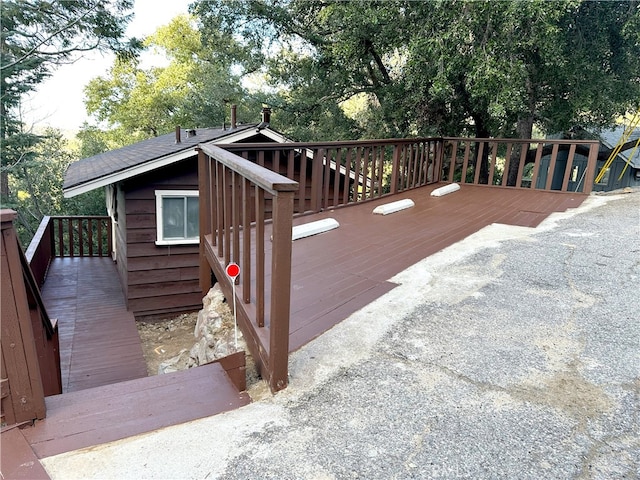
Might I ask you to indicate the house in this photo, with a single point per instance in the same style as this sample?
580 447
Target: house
623 171
152 199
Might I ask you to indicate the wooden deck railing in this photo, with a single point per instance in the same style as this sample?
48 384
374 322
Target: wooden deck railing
70 236
233 228
29 346
333 174
560 165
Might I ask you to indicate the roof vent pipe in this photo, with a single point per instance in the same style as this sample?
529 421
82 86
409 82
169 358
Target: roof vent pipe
233 116
178 134
266 115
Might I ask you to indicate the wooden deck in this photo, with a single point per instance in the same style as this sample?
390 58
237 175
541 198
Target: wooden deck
99 342
107 394
333 274
338 272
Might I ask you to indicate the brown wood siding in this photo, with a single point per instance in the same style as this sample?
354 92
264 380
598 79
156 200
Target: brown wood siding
162 279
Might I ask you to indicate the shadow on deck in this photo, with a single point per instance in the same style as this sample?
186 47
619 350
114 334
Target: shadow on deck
99 342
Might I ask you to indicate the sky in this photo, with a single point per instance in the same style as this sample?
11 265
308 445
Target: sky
58 102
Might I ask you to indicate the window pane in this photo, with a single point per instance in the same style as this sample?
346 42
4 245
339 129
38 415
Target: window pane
192 217
173 217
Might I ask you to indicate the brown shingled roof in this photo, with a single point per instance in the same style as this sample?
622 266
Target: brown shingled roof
107 163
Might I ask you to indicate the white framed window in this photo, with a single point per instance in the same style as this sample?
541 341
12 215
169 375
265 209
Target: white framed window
177 217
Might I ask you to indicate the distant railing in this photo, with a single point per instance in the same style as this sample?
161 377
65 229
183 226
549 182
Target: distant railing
334 174
233 228
540 164
68 236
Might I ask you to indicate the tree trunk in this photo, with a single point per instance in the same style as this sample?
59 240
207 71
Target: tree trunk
524 129
482 131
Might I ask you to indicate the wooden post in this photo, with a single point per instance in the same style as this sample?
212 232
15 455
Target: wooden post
316 181
22 389
552 166
591 168
280 289
203 217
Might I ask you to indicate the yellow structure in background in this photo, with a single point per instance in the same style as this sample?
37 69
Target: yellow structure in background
635 121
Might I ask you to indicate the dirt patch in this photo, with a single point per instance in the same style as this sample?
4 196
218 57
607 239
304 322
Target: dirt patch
165 339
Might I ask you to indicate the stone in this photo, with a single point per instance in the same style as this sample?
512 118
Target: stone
214 335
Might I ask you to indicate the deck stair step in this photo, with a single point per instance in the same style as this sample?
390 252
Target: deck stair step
112 412
17 459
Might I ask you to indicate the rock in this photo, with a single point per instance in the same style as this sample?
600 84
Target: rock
179 362
214 335
212 304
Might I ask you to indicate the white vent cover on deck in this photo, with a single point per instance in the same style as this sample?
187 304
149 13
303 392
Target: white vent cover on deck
313 228
438 192
393 207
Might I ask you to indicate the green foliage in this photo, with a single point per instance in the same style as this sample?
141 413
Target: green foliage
37 183
37 36
451 67
194 89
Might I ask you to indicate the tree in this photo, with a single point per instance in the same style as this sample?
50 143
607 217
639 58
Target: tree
446 67
37 182
316 55
36 36
193 90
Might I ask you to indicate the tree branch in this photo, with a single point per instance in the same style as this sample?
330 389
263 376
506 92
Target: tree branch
47 39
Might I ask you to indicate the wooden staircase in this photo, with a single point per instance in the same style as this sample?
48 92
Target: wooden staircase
112 412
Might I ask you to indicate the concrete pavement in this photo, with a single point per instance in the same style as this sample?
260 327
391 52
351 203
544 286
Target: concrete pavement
513 354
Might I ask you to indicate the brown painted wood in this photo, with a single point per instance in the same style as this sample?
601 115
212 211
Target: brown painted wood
590 173
99 342
260 260
281 281
236 367
523 156
112 412
18 349
246 241
18 461
552 166
568 167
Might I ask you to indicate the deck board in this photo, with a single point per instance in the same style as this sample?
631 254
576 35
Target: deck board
112 412
99 341
17 459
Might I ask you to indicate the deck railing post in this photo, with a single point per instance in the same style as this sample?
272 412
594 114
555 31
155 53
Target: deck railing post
438 161
204 217
22 386
394 168
590 173
280 289
316 181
